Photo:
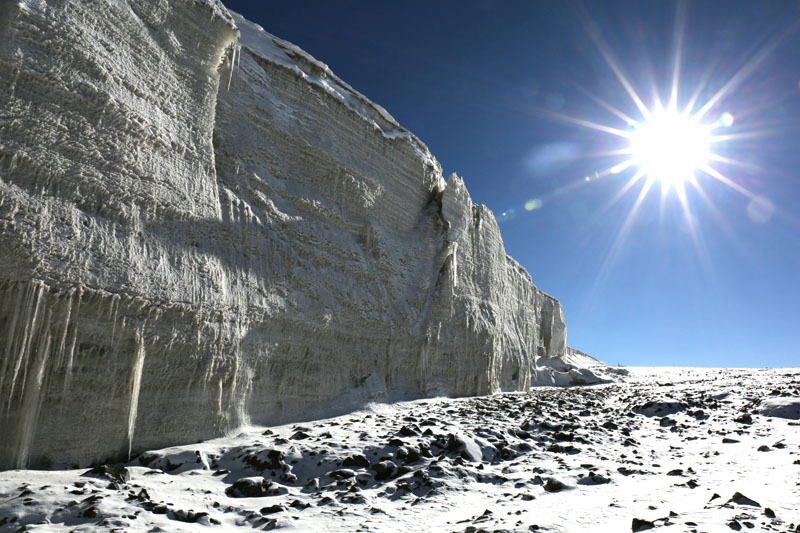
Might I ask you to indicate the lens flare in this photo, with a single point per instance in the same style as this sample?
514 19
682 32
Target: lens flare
760 209
530 205
670 147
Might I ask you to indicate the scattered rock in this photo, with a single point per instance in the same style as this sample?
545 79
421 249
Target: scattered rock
594 479
115 472
187 516
250 487
407 431
740 499
357 460
384 470
638 524
553 485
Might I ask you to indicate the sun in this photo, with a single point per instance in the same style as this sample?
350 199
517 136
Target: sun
670 147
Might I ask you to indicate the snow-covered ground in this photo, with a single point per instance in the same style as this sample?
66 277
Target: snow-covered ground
678 449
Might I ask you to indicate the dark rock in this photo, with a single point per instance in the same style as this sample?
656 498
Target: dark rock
342 473
146 458
744 419
297 504
568 449
763 448
676 472
637 524
741 499
407 431
115 472
265 460
357 460
189 517
300 435
453 444
594 479
412 456
660 408
251 487
553 485
769 513
384 470
667 422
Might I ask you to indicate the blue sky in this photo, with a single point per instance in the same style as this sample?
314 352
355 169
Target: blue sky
494 89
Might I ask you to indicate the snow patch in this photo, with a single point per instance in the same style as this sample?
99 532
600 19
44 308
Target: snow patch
788 407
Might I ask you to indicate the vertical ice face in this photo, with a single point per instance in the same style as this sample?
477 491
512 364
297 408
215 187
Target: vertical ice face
456 208
204 227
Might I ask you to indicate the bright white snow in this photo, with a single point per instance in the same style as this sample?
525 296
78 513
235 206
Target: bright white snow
674 449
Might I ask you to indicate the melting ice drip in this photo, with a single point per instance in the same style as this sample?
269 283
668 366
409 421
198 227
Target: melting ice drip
40 341
136 383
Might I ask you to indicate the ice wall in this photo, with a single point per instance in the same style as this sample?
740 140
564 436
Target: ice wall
201 226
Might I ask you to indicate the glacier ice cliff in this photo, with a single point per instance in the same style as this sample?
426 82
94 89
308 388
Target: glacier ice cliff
201 227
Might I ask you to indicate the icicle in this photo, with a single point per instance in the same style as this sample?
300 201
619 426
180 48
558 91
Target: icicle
30 325
71 352
16 313
114 310
454 265
233 60
32 399
63 343
136 383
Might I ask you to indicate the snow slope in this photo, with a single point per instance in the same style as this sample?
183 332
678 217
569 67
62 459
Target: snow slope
684 450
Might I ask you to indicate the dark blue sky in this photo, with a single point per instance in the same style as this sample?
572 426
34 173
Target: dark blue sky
480 82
